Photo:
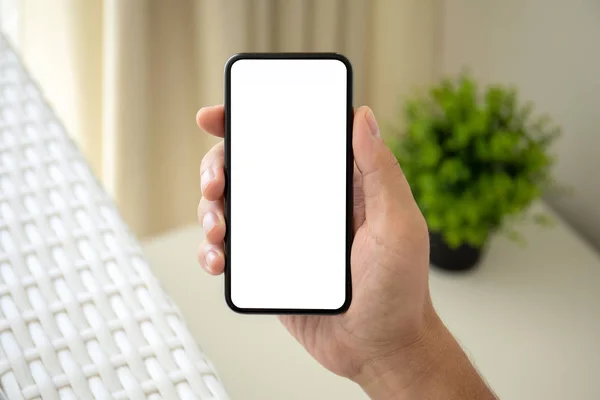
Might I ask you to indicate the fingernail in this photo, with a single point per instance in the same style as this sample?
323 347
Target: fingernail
209 221
210 258
372 122
205 179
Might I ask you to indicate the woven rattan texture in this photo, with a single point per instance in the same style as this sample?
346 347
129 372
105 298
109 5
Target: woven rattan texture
81 315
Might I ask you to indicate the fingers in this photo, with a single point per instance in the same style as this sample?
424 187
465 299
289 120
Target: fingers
212 176
386 191
210 254
210 209
210 215
212 120
211 258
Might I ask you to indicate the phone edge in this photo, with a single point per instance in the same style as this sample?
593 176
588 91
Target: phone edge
349 179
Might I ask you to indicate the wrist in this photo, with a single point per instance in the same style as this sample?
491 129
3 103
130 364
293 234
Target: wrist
402 371
433 367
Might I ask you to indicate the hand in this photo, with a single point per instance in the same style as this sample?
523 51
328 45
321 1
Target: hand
390 255
390 338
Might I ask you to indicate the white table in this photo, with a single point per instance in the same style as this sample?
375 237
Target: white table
528 317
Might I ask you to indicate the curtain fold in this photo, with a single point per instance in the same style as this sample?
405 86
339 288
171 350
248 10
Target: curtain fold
127 77
125 138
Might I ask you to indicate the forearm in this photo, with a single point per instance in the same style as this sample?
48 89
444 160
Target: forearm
433 368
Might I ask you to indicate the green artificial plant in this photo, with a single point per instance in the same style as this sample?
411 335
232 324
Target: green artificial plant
474 158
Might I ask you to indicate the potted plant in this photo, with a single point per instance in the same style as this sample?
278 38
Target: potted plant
473 160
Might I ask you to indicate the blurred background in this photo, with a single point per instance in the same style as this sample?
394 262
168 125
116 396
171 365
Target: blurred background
127 77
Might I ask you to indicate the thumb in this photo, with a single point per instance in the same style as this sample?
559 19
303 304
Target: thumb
386 190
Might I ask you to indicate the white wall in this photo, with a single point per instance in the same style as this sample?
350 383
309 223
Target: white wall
550 49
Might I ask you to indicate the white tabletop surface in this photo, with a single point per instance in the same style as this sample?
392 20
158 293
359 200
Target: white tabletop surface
529 318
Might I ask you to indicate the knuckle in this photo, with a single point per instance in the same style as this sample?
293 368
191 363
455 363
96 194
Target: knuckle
202 206
200 253
214 157
402 228
390 159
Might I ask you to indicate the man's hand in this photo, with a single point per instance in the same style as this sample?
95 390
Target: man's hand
390 341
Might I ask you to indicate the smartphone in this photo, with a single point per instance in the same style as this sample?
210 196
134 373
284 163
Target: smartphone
288 197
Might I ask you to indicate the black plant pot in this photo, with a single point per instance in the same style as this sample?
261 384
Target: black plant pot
462 258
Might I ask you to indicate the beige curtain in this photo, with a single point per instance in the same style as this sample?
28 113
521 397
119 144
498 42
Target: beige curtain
127 76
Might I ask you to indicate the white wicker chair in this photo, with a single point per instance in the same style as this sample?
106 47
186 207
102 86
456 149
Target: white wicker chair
81 315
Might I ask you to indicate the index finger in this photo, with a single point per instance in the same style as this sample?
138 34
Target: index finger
212 120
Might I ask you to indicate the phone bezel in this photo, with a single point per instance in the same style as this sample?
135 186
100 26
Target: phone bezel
349 179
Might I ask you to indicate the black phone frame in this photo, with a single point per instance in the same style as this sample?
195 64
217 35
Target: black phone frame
349 179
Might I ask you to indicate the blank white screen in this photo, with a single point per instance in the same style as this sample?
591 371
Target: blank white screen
287 222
